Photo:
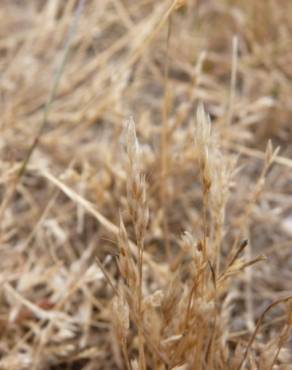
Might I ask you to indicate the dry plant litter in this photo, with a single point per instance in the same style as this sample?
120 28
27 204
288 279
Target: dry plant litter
146 184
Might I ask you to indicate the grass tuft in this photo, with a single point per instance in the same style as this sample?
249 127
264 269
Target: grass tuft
146 204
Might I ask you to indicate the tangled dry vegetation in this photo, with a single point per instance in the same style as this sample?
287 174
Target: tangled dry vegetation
146 185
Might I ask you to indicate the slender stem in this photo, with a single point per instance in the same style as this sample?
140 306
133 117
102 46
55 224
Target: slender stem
47 108
164 144
140 243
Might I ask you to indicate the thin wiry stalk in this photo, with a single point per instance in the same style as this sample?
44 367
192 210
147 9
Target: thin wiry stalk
47 107
164 143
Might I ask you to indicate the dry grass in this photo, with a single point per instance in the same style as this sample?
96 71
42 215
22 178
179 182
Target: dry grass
146 216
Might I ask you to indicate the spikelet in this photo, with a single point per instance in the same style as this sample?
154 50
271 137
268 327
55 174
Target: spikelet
203 146
136 184
121 320
126 263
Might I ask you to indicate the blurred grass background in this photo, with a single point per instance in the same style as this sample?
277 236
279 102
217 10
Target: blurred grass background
154 61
